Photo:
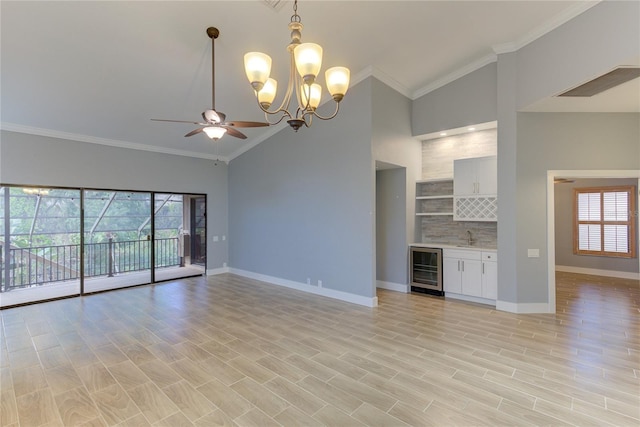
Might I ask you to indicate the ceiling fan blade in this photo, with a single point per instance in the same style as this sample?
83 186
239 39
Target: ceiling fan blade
179 121
242 124
194 132
234 132
223 116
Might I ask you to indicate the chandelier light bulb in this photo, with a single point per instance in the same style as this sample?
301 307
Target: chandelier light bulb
315 91
337 79
308 57
257 66
267 94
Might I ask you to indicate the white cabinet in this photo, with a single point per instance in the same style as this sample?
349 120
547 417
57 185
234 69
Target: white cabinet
475 176
470 273
451 276
461 272
489 275
475 189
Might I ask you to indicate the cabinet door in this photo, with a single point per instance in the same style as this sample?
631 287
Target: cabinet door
471 277
451 278
489 280
487 175
464 177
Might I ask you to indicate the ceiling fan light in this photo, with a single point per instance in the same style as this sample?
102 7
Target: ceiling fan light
308 57
257 66
214 132
267 94
337 79
315 96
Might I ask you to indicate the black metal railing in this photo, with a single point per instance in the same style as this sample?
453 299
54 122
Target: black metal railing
34 266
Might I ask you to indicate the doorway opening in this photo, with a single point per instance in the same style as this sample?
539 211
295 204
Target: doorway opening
554 176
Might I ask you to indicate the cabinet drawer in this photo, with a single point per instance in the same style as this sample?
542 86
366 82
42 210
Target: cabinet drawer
461 254
489 256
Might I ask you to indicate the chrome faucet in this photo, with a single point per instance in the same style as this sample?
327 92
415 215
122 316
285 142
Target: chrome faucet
470 240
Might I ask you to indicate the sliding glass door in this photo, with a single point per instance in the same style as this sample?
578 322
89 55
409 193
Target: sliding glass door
117 239
175 237
39 244
57 242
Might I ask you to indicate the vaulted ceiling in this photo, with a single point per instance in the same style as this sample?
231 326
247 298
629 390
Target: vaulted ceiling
99 71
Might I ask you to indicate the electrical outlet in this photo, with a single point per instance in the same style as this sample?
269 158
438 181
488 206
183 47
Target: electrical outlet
308 280
533 253
224 238
319 283
215 238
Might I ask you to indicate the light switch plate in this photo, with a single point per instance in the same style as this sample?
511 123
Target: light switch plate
533 253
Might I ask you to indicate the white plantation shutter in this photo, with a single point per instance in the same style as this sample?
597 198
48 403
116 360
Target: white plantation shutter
616 238
604 221
589 206
590 237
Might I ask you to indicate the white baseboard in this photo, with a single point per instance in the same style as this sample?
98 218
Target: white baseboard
216 271
390 286
598 272
331 293
470 298
523 308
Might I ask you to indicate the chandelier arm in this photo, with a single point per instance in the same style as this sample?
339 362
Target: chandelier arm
268 112
286 101
282 117
335 113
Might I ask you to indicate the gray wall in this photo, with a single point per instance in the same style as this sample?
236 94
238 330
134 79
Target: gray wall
391 224
301 205
468 100
392 143
561 141
38 160
564 214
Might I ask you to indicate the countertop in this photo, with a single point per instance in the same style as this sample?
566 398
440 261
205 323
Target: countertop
451 246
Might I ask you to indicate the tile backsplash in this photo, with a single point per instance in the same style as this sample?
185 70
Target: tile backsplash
443 229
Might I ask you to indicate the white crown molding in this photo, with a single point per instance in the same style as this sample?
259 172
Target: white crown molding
461 72
563 17
388 80
12 127
553 23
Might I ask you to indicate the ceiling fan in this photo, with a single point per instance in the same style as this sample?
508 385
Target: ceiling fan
215 123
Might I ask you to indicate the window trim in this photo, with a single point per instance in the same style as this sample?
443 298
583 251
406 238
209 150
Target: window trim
630 222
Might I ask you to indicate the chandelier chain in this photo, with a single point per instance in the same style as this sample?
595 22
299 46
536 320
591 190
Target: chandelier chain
295 17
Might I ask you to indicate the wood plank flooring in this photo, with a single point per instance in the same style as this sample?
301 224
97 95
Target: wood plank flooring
226 350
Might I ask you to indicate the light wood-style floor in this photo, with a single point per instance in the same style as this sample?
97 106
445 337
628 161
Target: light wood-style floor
226 350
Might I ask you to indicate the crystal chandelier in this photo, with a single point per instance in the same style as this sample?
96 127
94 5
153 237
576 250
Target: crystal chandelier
305 63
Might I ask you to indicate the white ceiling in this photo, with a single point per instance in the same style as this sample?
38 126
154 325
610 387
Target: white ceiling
99 71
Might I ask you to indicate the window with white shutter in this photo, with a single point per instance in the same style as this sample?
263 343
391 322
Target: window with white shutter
604 222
